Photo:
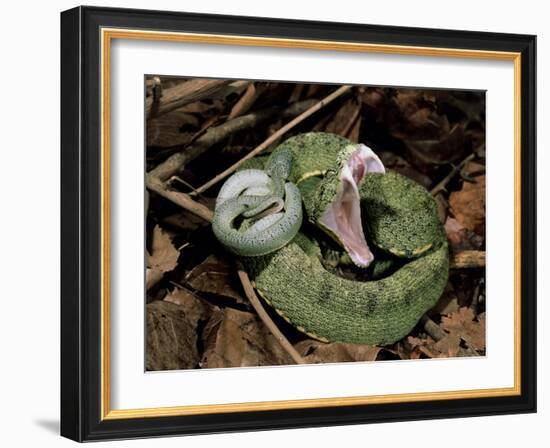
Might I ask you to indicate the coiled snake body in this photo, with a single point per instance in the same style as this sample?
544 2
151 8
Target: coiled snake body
385 223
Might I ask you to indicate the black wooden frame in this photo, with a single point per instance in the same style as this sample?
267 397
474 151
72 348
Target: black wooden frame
81 224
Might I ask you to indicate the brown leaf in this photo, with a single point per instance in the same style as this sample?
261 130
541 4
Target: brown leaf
216 276
420 346
171 341
402 166
373 96
246 101
186 221
195 308
447 303
438 149
461 238
463 324
296 93
198 107
447 347
353 133
344 119
468 205
403 351
163 258
166 130
239 339
315 352
474 169
458 326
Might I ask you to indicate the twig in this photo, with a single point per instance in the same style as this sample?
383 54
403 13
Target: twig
184 93
253 298
296 93
275 136
351 122
213 135
468 259
245 101
179 198
156 95
441 185
181 181
475 298
432 328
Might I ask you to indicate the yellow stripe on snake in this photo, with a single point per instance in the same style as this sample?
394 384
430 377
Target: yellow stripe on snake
380 225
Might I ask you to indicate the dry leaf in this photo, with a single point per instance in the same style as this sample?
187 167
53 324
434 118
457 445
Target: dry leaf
355 130
185 221
194 307
240 339
343 121
171 341
315 352
446 347
399 164
216 276
438 149
417 132
468 205
163 258
460 325
419 346
463 324
373 96
461 238
447 303
167 130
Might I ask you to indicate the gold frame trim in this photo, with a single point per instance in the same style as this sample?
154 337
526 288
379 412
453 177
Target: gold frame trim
107 35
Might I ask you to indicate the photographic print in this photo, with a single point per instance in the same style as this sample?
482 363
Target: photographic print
295 223
252 207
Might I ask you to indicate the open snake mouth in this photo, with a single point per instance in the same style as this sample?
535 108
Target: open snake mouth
343 216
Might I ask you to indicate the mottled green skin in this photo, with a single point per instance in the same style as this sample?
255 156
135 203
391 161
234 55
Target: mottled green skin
400 218
399 215
251 194
316 164
335 309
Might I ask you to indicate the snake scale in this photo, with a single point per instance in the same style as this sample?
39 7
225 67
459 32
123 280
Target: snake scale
319 197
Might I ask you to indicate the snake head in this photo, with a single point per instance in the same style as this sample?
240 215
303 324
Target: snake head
339 204
279 164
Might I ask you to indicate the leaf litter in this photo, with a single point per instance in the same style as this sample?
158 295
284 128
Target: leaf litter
197 314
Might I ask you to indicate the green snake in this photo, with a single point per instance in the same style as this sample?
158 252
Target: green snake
361 218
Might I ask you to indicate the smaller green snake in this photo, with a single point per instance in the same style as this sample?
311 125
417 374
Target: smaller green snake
273 205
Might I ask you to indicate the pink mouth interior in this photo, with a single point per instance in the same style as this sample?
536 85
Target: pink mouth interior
343 216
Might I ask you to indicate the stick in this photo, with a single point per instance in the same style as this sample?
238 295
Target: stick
182 94
245 102
432 328
176 161
156 95
275 136
253 298
184 201
441 185
181 199
468 259
351 122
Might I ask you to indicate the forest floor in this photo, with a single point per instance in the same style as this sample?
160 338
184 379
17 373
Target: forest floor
197 313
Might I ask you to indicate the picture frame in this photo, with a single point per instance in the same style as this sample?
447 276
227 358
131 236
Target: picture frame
87 34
